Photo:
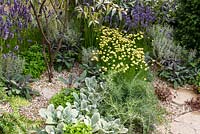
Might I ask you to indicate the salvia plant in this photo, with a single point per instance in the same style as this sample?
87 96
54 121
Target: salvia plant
84 109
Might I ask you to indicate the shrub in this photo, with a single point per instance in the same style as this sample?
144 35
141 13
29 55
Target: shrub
14 123
182 72
12 78
11 65
34 61
118 51
69 50
78 128
187 23
134 102
61 98
178 65
164 48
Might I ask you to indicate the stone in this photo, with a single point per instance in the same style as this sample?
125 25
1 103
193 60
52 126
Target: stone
181 128
183 95
186 124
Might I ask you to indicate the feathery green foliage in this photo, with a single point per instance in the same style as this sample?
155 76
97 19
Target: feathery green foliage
134 102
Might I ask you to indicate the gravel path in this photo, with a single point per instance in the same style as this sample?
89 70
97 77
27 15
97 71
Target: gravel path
181 119
46 90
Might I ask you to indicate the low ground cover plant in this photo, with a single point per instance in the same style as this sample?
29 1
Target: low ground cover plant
85 109
34 61
78 128
14 122
64 96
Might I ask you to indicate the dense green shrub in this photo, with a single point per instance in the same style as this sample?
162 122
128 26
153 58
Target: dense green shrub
34 64
61 98
78 128
134 102
188 23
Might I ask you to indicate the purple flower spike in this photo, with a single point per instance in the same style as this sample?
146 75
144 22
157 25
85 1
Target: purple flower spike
16 48
4 56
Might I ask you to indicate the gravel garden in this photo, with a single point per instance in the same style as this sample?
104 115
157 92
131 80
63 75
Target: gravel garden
99 67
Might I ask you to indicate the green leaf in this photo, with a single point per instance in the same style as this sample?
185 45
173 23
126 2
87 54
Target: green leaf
120 15
113 12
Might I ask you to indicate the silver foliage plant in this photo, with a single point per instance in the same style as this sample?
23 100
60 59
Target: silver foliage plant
163 44
10 65
84 109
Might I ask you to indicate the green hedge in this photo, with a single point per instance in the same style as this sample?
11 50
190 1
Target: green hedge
187 23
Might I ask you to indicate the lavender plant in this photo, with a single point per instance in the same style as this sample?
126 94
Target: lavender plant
15 20
164 48
139 17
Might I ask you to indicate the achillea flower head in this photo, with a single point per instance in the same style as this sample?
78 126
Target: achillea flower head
120 53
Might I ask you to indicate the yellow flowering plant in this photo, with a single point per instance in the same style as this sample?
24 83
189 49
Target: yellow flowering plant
117 51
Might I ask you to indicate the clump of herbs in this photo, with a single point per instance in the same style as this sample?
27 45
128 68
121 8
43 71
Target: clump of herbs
78 128
12 78
34 61
134 102
64 96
